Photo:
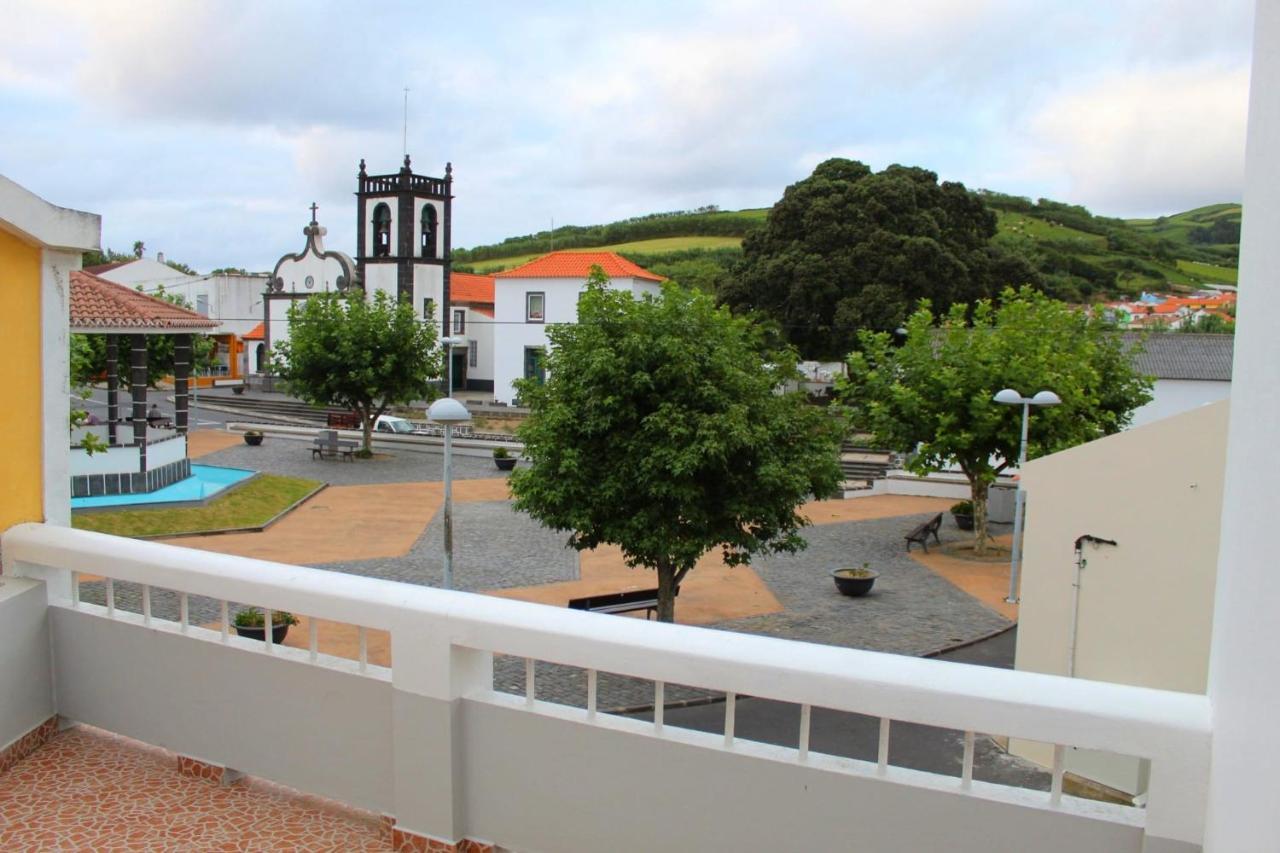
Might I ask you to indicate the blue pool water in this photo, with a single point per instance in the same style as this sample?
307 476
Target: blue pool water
205 482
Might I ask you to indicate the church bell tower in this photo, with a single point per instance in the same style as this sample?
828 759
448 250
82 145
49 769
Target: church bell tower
403 230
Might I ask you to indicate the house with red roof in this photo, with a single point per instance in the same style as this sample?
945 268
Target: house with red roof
471 320
542 292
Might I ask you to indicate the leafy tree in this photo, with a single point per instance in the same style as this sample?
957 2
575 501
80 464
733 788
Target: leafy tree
660 429
932 397
361 354
848 249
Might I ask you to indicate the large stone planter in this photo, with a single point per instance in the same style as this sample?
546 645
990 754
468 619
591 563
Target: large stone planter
854 582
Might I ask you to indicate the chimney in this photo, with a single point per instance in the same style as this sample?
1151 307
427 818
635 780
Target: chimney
160 257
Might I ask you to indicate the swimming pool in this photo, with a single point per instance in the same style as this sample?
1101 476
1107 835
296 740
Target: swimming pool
205 482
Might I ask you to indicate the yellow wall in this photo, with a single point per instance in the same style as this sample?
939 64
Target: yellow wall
20 418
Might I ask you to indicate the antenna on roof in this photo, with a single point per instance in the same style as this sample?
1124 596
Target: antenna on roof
406 121
553 233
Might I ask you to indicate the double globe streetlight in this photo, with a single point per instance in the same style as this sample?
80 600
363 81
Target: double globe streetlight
1010 397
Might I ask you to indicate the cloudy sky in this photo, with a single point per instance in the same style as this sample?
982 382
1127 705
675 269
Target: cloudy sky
205 129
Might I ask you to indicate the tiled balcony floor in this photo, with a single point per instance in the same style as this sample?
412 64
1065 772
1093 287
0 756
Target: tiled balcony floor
90 790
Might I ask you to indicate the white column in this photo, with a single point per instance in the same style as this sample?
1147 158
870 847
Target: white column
1244 666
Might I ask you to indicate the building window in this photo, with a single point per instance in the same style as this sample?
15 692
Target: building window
535 307
459 321
381 231
428 308
533 367
473 354
429 223
202 304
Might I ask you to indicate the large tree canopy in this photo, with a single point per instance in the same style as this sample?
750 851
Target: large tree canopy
661 429
362 354
848 249
932 397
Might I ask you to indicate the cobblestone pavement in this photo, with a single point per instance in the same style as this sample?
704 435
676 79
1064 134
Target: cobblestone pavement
910 610
293 458
494 547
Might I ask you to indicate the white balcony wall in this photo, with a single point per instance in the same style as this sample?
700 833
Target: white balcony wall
26 676
433 744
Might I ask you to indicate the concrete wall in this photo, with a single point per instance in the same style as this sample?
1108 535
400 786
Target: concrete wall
656 793
20 423
1174 396
26 676
1145 607
316 728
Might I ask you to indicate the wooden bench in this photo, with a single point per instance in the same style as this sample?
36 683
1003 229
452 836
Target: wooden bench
923 531
327 443
619 602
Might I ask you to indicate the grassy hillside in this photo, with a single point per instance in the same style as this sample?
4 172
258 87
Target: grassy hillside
1079 256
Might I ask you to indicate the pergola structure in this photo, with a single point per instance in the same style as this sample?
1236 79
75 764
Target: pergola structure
126 317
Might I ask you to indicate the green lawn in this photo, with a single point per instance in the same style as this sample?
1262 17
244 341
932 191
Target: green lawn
252 505
1209 272
656 246
1018 226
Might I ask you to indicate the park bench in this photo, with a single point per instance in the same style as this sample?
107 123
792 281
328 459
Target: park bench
327 443
619 602
921 533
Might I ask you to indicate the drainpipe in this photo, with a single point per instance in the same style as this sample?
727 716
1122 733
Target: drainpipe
1081 562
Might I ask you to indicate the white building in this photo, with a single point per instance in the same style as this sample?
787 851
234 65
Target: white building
471 318
1190 370
546 291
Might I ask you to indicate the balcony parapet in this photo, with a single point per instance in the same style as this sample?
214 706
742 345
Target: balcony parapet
442 646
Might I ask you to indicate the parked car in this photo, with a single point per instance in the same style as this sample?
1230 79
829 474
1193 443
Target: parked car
390 423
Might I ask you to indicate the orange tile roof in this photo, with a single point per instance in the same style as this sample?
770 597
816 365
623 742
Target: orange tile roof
257 333
100 304
468 287
578 265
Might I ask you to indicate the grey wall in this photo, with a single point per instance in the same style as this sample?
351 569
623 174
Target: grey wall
314 728
26 679
535 783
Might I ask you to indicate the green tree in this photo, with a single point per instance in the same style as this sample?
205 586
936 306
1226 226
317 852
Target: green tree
361 354
1209 324
848 249
932 397
660 429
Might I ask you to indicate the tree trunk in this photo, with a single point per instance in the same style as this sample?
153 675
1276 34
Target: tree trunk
666 591
366 426
978 495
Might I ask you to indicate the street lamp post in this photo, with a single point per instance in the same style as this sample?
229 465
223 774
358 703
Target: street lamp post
449 343
1010 397
447 411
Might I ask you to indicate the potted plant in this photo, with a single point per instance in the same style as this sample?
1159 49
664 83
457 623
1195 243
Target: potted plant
253 437
963 514
503 459
237 389
248 623
855 581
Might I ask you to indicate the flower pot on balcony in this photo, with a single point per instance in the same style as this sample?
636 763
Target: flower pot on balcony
854 581
278 632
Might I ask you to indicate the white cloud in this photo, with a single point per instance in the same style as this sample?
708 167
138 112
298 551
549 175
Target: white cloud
1135 141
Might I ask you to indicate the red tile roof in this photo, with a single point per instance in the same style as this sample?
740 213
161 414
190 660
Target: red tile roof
468 287
100 304
578 265
257 333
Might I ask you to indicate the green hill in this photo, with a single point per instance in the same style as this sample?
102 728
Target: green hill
1079 256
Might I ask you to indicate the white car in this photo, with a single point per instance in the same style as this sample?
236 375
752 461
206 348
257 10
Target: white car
390 423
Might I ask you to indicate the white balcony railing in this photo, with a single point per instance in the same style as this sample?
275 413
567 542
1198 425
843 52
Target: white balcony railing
431 741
